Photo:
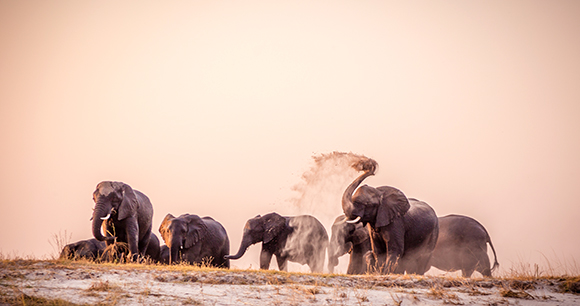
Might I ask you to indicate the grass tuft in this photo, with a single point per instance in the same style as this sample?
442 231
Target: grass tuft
103 286
571 285
518 294
24 299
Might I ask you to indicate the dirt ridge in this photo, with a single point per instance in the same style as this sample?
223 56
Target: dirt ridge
70 282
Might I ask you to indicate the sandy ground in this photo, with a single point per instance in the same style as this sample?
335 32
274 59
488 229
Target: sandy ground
88 283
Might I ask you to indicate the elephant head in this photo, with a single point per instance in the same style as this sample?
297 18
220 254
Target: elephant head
377 206
112 199
344 237
182 232
260 229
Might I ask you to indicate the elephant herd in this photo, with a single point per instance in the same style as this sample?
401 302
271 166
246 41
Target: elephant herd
382 229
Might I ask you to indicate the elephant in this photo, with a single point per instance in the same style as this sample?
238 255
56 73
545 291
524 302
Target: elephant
164 254
408 229
349 238
153 251
119 251
90 249
195 240
127 214
462 245
302 239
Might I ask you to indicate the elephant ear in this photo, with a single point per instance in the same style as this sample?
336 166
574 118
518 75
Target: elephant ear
129 203
360 234
196 231
164 227
273 226
393 204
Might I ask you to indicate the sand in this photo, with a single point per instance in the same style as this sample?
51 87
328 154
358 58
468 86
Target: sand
89 283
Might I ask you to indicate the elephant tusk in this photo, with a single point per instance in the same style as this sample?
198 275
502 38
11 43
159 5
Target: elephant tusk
107 217
353 221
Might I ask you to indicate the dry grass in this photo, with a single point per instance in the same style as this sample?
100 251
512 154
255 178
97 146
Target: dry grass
554 267
285 287
103 286
58 242
24 299
438 292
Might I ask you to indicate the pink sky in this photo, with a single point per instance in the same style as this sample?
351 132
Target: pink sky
215 108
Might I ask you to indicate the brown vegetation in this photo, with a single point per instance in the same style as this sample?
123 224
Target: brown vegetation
66 282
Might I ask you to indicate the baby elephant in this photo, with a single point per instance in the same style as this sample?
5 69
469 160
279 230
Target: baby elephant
91 249
195 240
300 239
349 238
462 245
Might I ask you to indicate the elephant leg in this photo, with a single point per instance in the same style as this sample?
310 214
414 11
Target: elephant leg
282 262
317 262
144 243
265 258
466 271
369 262
355 264
132 234
483 265
395 246
391 264
421 264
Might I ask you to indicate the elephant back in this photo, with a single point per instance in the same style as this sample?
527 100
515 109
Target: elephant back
308 236
421 226
306 225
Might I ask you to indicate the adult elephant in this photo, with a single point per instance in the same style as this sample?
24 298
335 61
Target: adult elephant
300 239
408 230
127 213
349 238
195 240
462 245
90 249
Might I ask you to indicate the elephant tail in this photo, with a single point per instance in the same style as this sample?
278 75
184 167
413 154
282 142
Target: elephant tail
495 263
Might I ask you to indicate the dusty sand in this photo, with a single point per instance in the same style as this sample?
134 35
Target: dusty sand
88 283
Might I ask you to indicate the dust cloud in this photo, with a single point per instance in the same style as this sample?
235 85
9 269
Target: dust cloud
320 191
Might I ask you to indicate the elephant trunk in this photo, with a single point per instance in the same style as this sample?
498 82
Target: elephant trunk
101 213
335 250
332 262
246 242
174 246
347 204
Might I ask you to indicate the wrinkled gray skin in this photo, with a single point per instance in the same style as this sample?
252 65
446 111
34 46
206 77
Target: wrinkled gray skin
462 245
127 214
300 239
153 248
91 249
164 254
349 238
195 240
408 232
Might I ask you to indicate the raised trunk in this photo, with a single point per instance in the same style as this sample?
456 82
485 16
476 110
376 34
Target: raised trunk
347 205
243 247
101 211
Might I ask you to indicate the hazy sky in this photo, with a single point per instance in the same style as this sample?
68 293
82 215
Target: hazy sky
215 108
